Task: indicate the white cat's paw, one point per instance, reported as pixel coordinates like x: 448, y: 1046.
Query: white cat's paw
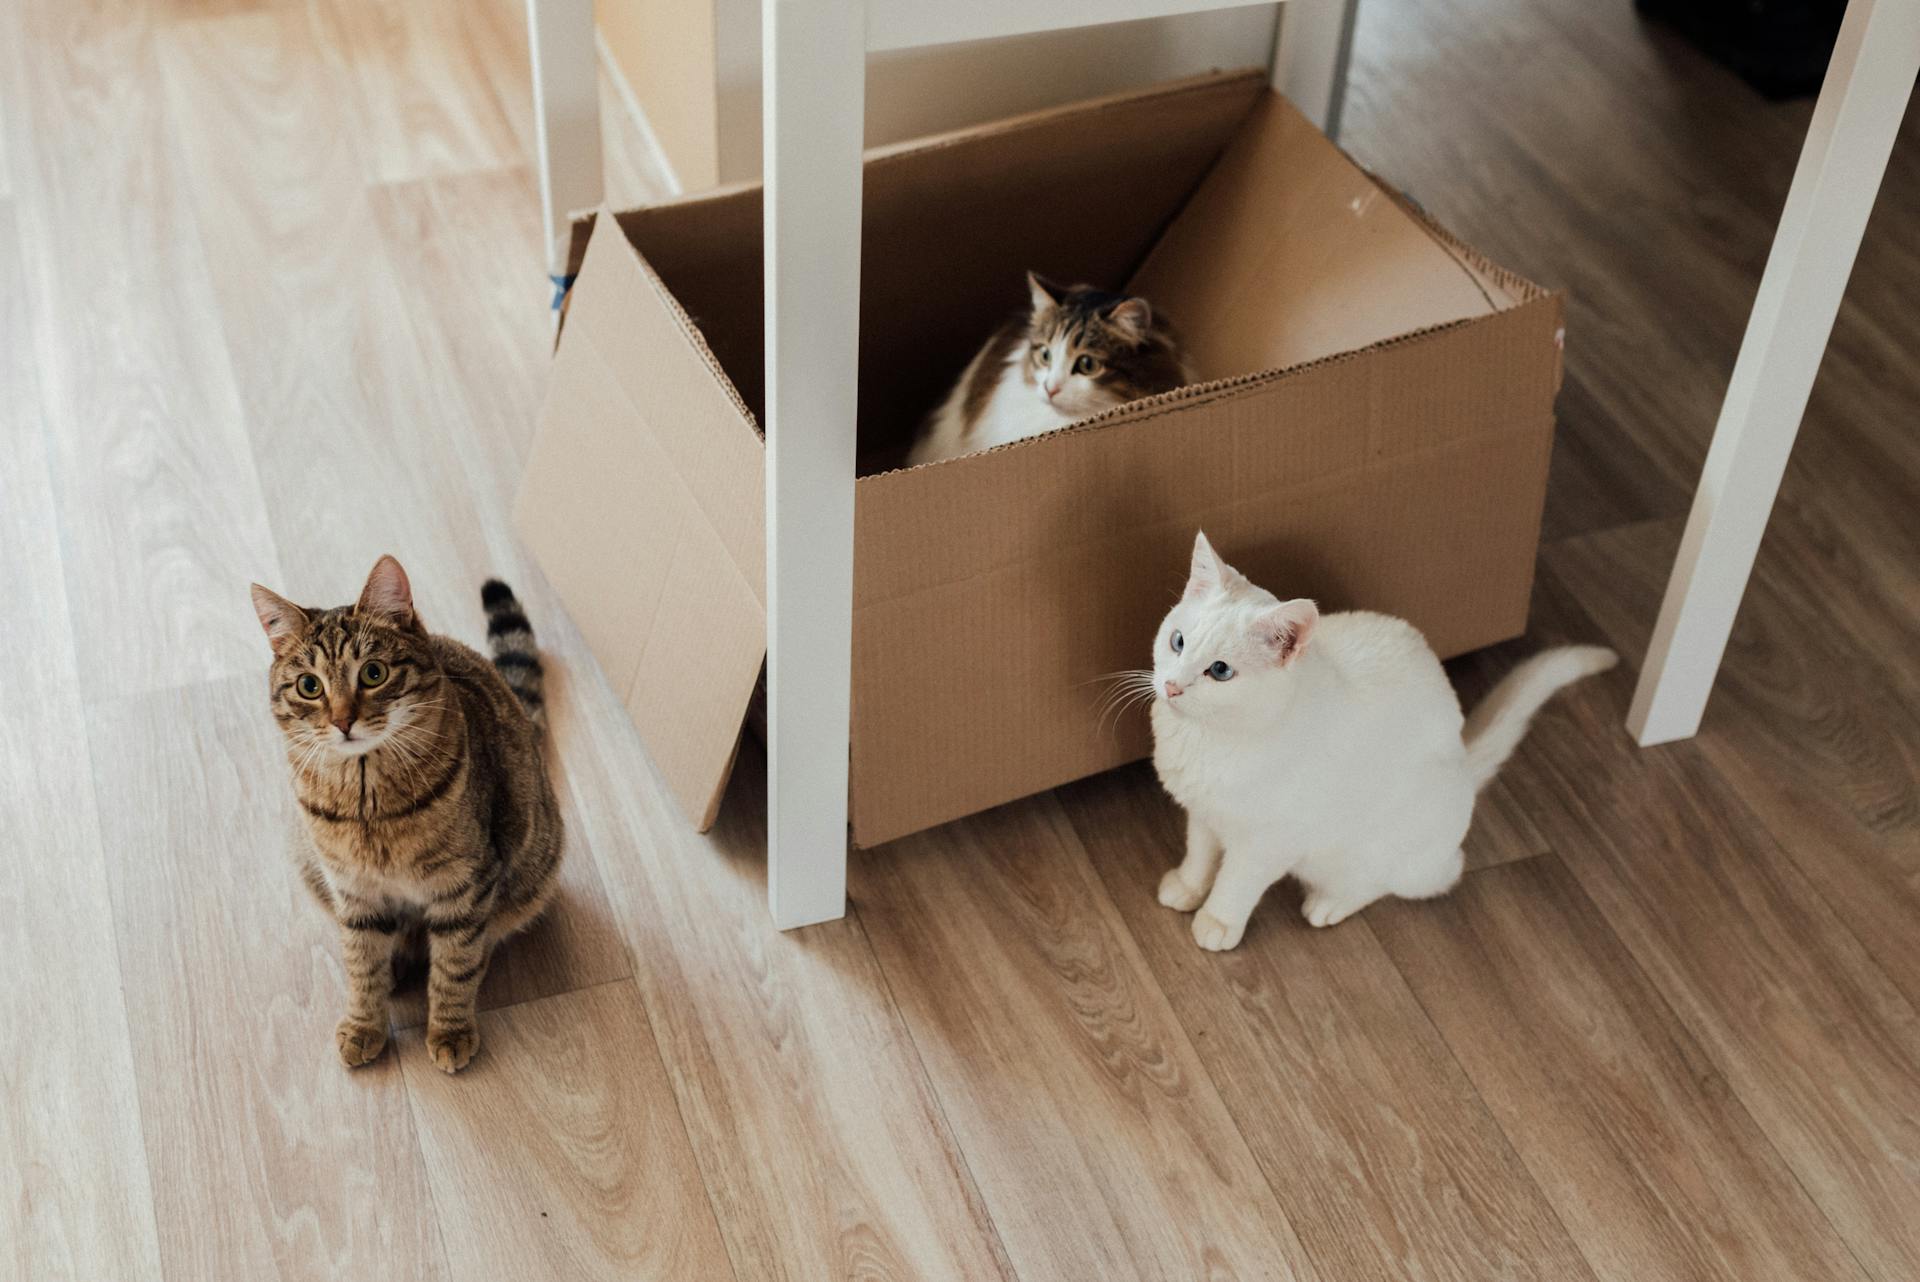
x: 1176, y: 894
x: 1214, y: 935
x: 1325, y: 910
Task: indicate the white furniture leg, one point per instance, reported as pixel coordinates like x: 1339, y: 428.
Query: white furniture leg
x: 566, y: 119
x: 1854, y: 125
x: 1310, y: 58
x: 814, y: 55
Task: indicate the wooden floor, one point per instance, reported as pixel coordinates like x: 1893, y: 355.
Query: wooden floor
x: 270, y: 305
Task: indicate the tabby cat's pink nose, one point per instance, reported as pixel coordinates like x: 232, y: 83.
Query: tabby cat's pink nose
x: 342, y: 724
x: 1173, y: 689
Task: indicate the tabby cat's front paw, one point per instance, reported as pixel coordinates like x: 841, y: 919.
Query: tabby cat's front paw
x: 1176, y: 894
x: 452, y: 1045
x: 359, y: 1043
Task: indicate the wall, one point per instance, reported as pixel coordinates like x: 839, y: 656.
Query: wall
x: 666, y: 51
x: 920, y: 91
x: 695, y: 67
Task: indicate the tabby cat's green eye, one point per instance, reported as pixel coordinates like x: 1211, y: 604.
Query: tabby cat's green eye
x: 308, y: 686
x: 1042, y: 355
x: 372, y: 673
x: 1085, y: 365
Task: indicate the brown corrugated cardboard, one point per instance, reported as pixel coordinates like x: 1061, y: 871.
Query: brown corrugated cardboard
x: 642, y: 497
x: 1346, y: 257
x: 1376, y: 433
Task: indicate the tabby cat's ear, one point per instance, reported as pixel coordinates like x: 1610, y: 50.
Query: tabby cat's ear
x: 1046, y: 294
x: 284, y: 622
x: 388, y: 593
x: 1132, y: 317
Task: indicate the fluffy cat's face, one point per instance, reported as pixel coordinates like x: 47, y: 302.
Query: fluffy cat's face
x: 1088, y: 350
x: 351, y: 679
x: 1224, y: 653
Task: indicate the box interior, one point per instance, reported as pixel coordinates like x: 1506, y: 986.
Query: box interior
x: 1217, y: 201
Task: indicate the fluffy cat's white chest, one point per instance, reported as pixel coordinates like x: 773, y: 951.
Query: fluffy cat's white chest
x: 1233, y: 785
x: 1016, y: 411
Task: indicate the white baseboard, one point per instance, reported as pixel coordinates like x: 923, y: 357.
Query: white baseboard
x: 624, y: 91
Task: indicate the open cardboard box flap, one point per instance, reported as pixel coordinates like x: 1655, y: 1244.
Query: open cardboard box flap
x: 1278, y: 259
x: 681, y: 629
x: 1290, y: 253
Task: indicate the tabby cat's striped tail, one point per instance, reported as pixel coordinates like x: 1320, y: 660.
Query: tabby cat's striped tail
x: 510, y: 637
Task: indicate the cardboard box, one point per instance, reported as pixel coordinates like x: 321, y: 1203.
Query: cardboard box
x: 1374, y: 431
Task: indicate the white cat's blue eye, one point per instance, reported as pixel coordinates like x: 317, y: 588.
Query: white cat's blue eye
x: 1177, y: 641
x: 1219, y: 670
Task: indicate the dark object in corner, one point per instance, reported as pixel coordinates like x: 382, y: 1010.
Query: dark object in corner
x: 1780, y: 47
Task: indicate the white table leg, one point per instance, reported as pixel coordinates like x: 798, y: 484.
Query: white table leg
x: 814, y: 55
x: 1310, y: 58
x: 566, y: 118
x: 1853, y: 130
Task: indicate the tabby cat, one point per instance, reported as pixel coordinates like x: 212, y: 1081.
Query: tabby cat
x: 1074, y: 352
x: 430, y: 824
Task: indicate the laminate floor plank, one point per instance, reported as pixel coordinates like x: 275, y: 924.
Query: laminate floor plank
x: 12, y: 39
x: 269, y: 1158
x: 1871, y: 583
x: 1830, y: 767
x: 452, y: 243
x: 1816, y: 1042
x: 1598, y: 478
x: 1038, y: 1017
x: 1374, y: 1141
x: 1646, y: 1155
x: 559, y: 1154
x: 161, y: 515
x: 350, y: 437
x: 40, y: 685
x: 75, y: 1203
x: 1610, y: 157
x: 821, y: 1142
x: 421, y: 88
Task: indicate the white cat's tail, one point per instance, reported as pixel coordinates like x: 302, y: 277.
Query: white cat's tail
x: 1496, y: 727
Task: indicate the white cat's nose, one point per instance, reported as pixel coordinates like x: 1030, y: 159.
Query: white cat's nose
x: 1053, y: 389
x: 1173, y: 688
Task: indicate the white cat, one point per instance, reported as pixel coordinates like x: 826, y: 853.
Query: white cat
x: 1329, y: 747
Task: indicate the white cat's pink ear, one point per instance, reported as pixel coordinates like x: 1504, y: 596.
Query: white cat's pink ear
x: 387, y: 592
x: 1133, y: 317
x: 1287, y: 629
x: 1208, y: 573
x: 1046, y: 294
x: 284, y: 622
